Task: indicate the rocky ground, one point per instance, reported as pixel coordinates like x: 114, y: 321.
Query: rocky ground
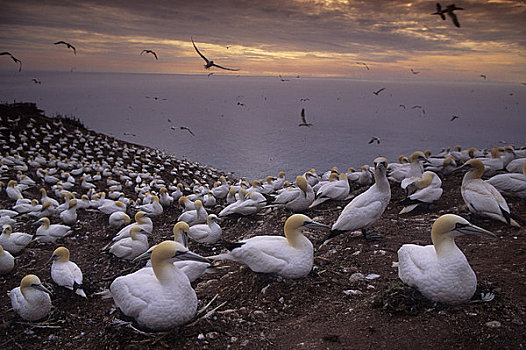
x: 339, y: 305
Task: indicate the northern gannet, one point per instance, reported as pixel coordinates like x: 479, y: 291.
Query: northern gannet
x: 416, y: 169
x: 206, y: 233
x: 31, y: 300
x: 7, y: 261
x: 154, y: 208
x: 425, y: 190
x: 335, y: 190
x: 66, y: 273
x: 481, y: 197
x: 130, y: 247
x: 366, y: 208
x: 210, y: 63
x: 250, y: 204
x: 118, y: 219
x: 512, y: 183
x: 50, y: 233
x: 12, y: 191
x: 159, y: 297
x: 298, y: 198
x: 45, y: 198
x: 140, y: 220
x: 14, y: 242
x: 69, y: 216
x: 68, y: 45
x: 194, y: 217
x: 109, y: 207
x: 290, y: 256
x: 440, y: 271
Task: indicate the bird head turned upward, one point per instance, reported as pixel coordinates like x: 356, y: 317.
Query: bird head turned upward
x: 448, y: 226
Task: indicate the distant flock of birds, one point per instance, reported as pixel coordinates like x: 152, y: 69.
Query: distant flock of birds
x: 84, y: 171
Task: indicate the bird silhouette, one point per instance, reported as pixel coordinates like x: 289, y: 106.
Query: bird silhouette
x: 69, y: 46
x: 363, y: 64
x: 303, y: 120
x: 150, y: 51
x: 16, y: 60
x: 210, y: 63
x: 451, y: 14
x: 377, y: 92
x: 439, y: 12
x: 374, y: 139
x: 281, y: 78
x: 187, y: 129
x: 454, y: 117
x: 484, y: 76
x: 413, y: 71
x: 36, y: 81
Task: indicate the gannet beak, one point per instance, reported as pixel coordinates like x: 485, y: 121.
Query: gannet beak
x: 316, y: 225
x: 188, y: 255
x: 53, y: 257
x: 144, y: 256
x: 469, y: 229
x: 42, y: 288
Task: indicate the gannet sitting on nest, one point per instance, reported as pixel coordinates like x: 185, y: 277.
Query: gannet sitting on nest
x: 253, y: 202
x: 66, y: 273
x: 298, y: 198
x: 513, y: 183
x: 366, y: 208
x: 119, y: 219
x: 425, y: 190
x: 481, y: 197
x: 206, y: 233
x: 31, y: 300
x: 161, y: 297
x: 335, y: 190
x: 290, y: 256
x: 50, y: 233
x: 416, y: 168
x: 14, y: 242
x: 130, y: 247
x: 7, y: 261
x: 69, y: 216
x: 196, y: 216
x: 440, y: 271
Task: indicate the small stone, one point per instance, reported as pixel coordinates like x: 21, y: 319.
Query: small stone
x: 493, y: 324
x: 281, y: 300
x: 212, y: 335
x: 355, y: 277
x: 201, y: 336
x: 372, y: 276
x: 352, y: 292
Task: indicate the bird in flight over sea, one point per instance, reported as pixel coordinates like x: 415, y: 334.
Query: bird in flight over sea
x: 210, y: 63
x: 14, y: 59
x: 439, y: 12
x: 377, y: 92
x: 187, y: 129
x: 36, y: 81
x: 484, y: 76
x: 303, y: 120
x: 68, y: 45
x: 454, y: 117
x: 363, y: 64
x: 449, y: 11
x: 281, y: 78
x: 413, y: 71
x: 374, y: 139
x: 150, y: 51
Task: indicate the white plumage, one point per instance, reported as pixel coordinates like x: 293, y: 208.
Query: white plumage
x: 425, y: 190
x: 66, y: 273
x: 298, y: 198
x: 513, y: 183
x: 440, y: 271
x: 14, y: 242
x: 50, y: 233
x: 7, y: 261
x: 31, y: 300
x: 206, y: 233
x: 130, y: 247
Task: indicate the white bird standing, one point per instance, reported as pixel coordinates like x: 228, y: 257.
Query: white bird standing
x: 14, y: 242
x: 50, y: 233
x: 31, y: 300
x: 440, y: 271
x: 66, y: 273
x: 366, y: 208
x: 7, y: 261
x: 481, y: 197
x: 160, y: 297
x: 206, y: 233
x: 290, y: 256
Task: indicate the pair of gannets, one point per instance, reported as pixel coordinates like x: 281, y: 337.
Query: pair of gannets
x: 140, y: 220
x: 130, y: 247
x: 14, y: 242
x: 66, y: 273
x: 50, y: 233
x: 196, y: 216
x: 425, y: 190
x: 335, y: 190
x: 160, y: 297
x: 440, y: 271
x: 416, y: 168
x: 31, y: 299
x: 366, y: 208
x: 290, y: 256
x: 154, y: 208
x: 481, y: 197
x: 297, y: 198
x: 251, y: 204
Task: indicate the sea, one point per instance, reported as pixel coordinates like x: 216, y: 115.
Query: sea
x: 250, y: 125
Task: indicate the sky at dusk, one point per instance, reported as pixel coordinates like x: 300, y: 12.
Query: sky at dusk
x: 270, y: 37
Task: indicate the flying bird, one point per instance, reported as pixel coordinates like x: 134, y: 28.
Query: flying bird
x: 402, y: 106
x: 210, y: 74
x: 281, y: 78
x: 377, y: 92
x: 374, y: 139
x: 439, y: 12
x: 449, y: 10
x: 150, y: 51
x: 210, y: 63
x: 36, y: 81
x: 187, y: 129
x: 363, y: 64
x: 484, y: 76
x: 303, y: 120
x: 69, y: 46
x: 414, y: 72
x: 454, y: 117
x: 16, y: 60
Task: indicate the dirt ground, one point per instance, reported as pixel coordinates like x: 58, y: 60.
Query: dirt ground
x: 332, y: 308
